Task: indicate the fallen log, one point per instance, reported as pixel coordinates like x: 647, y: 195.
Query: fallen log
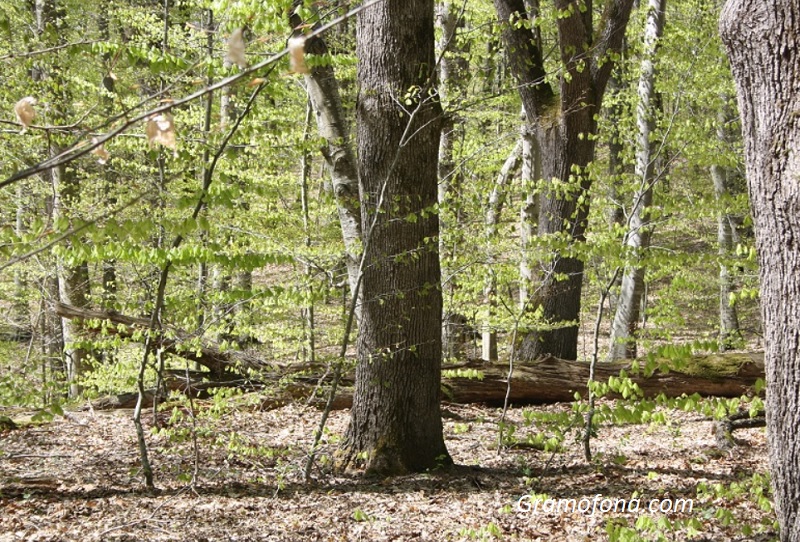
x: 174, y: 341
x: 548, y: 380
x: 553, y: 380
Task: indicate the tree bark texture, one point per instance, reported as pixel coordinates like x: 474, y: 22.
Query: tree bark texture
x: 323, y: 92
x: 637, y: 238
x: 762, y: 38
x: 564, y: 126
x: 529, y: 211
x: 395, y: 417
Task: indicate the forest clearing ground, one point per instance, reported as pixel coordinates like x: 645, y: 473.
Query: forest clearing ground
x: 77, y: 479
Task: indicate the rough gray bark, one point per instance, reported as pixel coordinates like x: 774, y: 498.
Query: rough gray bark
x: 762, y: 38
x: 395, y: 418
x: 564, y: 127
x: 637, y: 238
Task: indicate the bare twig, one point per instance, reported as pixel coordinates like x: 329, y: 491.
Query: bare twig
x: 587, y: 433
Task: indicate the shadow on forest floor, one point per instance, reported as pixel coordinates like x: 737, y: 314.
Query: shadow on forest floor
x: 78, y: 479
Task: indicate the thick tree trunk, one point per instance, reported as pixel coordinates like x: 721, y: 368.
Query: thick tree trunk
x: 564, y: 127
x: 395, y: 417
x: 637, y: 238
x: 762, y: 38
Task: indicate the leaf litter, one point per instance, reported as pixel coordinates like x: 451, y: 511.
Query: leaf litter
x: 77, y: 478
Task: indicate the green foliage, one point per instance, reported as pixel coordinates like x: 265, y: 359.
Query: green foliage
x: 705, y: 513
x: 24, y: 382
x: 490, y: 531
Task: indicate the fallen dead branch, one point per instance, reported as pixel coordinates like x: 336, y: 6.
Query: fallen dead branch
x: 549, y: 380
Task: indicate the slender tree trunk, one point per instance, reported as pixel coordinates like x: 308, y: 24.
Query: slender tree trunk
x: 109, y: 280
x: 529, y: 213
x: 637, y: 238
x: 309, y: 348
x: 729, y: 333
x: 395, y: 417
x: 762, y: 38
x: 617, y: 168
x: 73, y: 280
x: 51, y: 332
x: 323, y: 92
x: 202, y: 268
x: 453, y: 65
x: 728, y: 319
x: 20, y: 312
x: 494, y: 209
x: 222, y: 280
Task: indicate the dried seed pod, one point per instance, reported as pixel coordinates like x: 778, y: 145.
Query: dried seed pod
x: 101, y: 153
x: 25, y: 112
x: 297, y: 55
x: 235, y: 54
x: 160, y: 129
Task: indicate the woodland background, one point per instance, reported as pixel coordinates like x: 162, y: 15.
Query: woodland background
x: 261, y: 269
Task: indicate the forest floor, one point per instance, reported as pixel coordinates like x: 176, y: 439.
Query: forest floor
x: 78, y: 478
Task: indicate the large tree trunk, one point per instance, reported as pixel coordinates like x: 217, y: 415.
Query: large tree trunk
x: 637, y: 238
x: 395, y: 417
x: 564, y: 127
x: 762, y: 38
